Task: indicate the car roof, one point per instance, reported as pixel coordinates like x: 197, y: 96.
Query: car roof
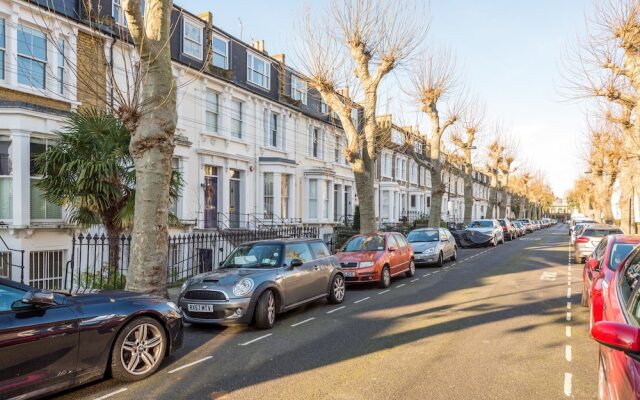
x: 602, y: 226
x: 625, y: 238
x: 9, y: 282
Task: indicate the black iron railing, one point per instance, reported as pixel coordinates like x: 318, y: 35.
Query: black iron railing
x: 11, y: 259
x: 100, y: 262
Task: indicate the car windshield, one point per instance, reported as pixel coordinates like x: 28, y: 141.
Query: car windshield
x: 423, y: 236
x: 480, y: 224
x: 502, y: 222
x: 618, y: 252
x: 365, y: 243
x: 601, y: 232
x: 254, y: 256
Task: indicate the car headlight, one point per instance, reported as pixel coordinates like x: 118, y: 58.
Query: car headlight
x: 185, y: 285
x: 366, y: 264
x: 430, y: 250
x: 173, y: 306
x: 243, y: 287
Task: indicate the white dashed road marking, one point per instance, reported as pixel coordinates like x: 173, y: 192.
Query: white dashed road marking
x: 567, y: 353
x: 384, y: 291
x: 425, y: 275
x: 399, y: 286
x: 303, y: 322
x: 336, y: 309
x: 568, y: 316
x: 255, y: 340
x: 361, y: 300
x: 417, y: 279
x: 106, y: 396
x: 567, y: 384
x: 568, y: 305
x: 568, y: 293
x: 190, y: 364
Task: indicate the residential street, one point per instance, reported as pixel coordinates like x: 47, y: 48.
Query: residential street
x: 496, y: 324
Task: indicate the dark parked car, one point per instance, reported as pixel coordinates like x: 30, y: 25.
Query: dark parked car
x: 261, y: 279
x: 53, y: 341
x: 510, y: 232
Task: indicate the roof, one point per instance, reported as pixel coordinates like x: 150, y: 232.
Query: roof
x: 602, y: 226
x: 625, y: 238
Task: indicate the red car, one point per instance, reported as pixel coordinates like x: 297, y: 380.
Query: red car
x: 376, y: 257
x: 600, y: 267
x: 619, y: 333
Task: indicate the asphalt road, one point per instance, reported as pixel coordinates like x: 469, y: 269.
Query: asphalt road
x: 500, y: 323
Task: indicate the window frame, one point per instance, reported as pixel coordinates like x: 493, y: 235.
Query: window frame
x: 268, y: 214
x: 61, y: 60
x: 299, y: 89
x: 194, y: 24
x: 32, y: 58
x: 226, y: 41
x: 47, y: 143
x: 265, y: 74
x: 238, y: 120
x: 3, y: 47
x: 208, y: 109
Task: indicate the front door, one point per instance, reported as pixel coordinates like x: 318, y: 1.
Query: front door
x: 234, y: 201
x: 38, y: 345
x: 210, y: 202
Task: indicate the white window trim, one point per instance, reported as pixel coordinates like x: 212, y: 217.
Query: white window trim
x: 298, y: 86
x: 222, y: 38
x: 3, y: 49
x: 34, y: 32
x: 186, y: 20
x: 207, y: 109
x: 250, y: 56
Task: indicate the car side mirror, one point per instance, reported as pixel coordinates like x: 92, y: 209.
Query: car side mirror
x: 593, y: 264
x: 296, y: 262
x: 39, y: 298
x: 616, y: 335
x: 392, y: 248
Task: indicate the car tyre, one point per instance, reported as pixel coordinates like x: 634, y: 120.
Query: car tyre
x: 454, y: 256
x: 336, y: 293
x: 440, y: 260
x: 494, y: 242
x: 138, y: 350
x: 412, y: 269
x: 385, y: 277
x: 265, y: 314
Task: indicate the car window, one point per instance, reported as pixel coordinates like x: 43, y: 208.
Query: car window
x: 365, y: 243
x: 618, y: 253
x: 481, y: 224
x: 8, y: 295
x: 598, y: 253
x: 256, y: 255
x: 630, y: 276
x: 391, y: 242
x: 402, y: 242
x: 297, y: 250
x: 431, y: 235
x: 601, y: 232
x: 319, y: 249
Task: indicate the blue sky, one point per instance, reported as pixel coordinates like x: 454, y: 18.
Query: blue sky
x: 510, y: 52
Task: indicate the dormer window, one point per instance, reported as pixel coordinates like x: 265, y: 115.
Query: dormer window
x: 192, y: 38
x: 258, y: 71
x: 298, y: 89
x: 220, y: 57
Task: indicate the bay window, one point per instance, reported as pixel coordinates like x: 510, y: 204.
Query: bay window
x: 6, y: 183
x: 268, y: 195
x: 313, y: 198
x: 284, y: 196
x: 40, y: 208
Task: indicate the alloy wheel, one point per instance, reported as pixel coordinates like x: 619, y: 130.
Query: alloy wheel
x: 386, y: 276
x: 271, y: 308
x: 338, y: 287
x: 142, y: 349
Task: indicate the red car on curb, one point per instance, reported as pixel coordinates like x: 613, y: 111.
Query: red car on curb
x: 600, y: 268
x: 619, y: 333
x: 376, y: 257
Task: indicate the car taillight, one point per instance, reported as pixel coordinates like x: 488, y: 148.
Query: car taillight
x: 504, y: 228
x: 582, y: 239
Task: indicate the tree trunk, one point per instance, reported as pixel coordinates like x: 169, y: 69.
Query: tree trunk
x: 468, y: 196
x: 626, y: 197
x: 113, y: 234
x: 364, y: 178
x: 437, y: 191
x: 151, y: 147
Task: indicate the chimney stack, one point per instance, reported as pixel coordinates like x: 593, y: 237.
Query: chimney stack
x: 280, y: 57
x: 206, y: 16
x: 259, y: 45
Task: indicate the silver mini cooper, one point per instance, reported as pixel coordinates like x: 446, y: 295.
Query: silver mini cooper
x: 261, y: 279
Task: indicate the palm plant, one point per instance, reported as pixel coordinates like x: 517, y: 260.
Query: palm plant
x: 89, y: 171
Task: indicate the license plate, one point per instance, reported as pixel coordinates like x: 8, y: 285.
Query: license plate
x: 350, y: 274
x: 200, y: 307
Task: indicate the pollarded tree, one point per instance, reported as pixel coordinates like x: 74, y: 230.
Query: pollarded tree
x: 432, y: 83
x: 361, y: 42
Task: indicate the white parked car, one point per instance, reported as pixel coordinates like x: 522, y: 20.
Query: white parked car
x: 489, y: 227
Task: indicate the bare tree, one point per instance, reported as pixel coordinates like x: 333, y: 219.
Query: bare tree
x: 472, y: 123
x: 359, y: 41
x: 432, y: 81
x: 152, y: 143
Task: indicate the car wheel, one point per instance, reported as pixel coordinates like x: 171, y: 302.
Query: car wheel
x: 455, y: 254
x: 584, y: 299
x: 440, y: 260
x: 494, y: 242
x: 336, y: 295
x: 265, y: 314
x: 385, y: 277
x: 502, y: 241
x: 139, y: 350
x: 412, y: 269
